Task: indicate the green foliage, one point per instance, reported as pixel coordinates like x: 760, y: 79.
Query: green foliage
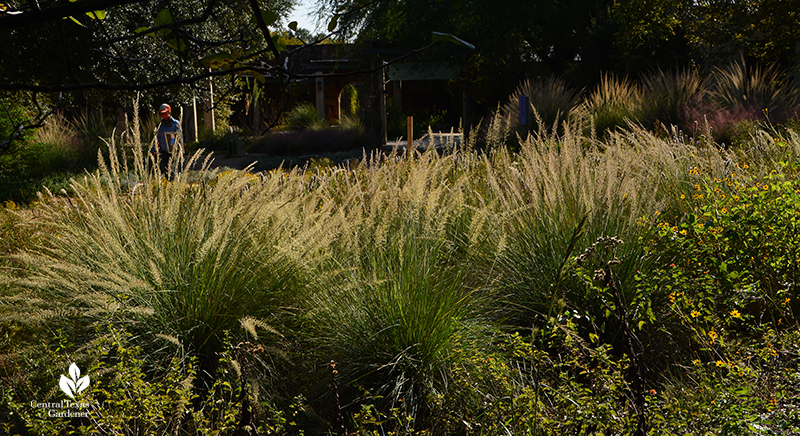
x: 666, y: 96
x: 551, y: 382
x: 756, y: 88
x: 642, y: 26
x: 738, y: 251
x: 126, y: 396
x: 578, y: 286
x: 56, y: 151
x: 614, y: 103
x: 304, y: 117
x: 10, y: 118
x: 401, y: 297
x: 177, y: 261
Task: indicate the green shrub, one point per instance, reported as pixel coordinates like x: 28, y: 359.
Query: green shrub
x: 551, y: 382
x: 737, y: 253
x: 303, y: 117
x: 10, y: 119
x: 125, y: 397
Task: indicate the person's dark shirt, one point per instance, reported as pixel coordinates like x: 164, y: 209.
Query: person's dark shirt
x: 168, y: 126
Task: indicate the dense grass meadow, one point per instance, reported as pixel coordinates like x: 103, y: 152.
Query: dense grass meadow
x: 544, y: 279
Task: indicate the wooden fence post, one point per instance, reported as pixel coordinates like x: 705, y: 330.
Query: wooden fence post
x: 410, y: 130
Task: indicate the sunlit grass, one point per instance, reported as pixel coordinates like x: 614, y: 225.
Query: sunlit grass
x: 403, y: 269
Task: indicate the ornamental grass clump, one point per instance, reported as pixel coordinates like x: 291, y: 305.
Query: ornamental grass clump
x: 402, y: 296
x: 562, y: 192
x: 184, y: 259
x: 758, y: 89
x: 548, y: 101
x: 614, y: 103
x: 738, y: 97
x: 667, y: 94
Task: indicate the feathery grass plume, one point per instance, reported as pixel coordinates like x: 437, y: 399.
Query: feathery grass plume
x: 757, y: 88
x: 549, y: 100
x: 740, y: 96
x: 59, y: 134
x: 135, y: 135
x: 666, y: 94
x: 498, y: 133
x: 614, y: 103
x: 402, y: 296
x: 767, y: 151
x: 202, y: 251
x: 562, y: 192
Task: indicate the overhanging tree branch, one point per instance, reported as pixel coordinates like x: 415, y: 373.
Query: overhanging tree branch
x: 175, y: 25
x: 263, y: 27
x: 34, y: 16
x: 123, y: 87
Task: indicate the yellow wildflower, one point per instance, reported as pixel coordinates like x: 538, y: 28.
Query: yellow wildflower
x: 735, y: 313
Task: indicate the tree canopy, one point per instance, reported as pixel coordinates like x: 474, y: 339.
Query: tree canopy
x: 579, y: 39
x: 63, y: 49
x: 133, y: 44
x: 51, y: 47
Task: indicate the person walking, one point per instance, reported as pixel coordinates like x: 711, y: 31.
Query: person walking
x: 169, y: 137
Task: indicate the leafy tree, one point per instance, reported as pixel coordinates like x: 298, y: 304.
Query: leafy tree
x: 101, y: 49
x: 705, y: 32
x: 764, y: 29
x: 119, y: 46
x: 650, y: 32
x: 510, y: 37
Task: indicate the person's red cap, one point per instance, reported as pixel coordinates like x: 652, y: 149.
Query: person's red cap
x: 164, y: 108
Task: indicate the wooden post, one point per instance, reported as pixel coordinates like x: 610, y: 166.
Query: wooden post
x: 375, y: 105
x: 208, y: 119
x: 410, y: 129
x: 397, y: 92
x: 320, y: 87
x: 194, y: 119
